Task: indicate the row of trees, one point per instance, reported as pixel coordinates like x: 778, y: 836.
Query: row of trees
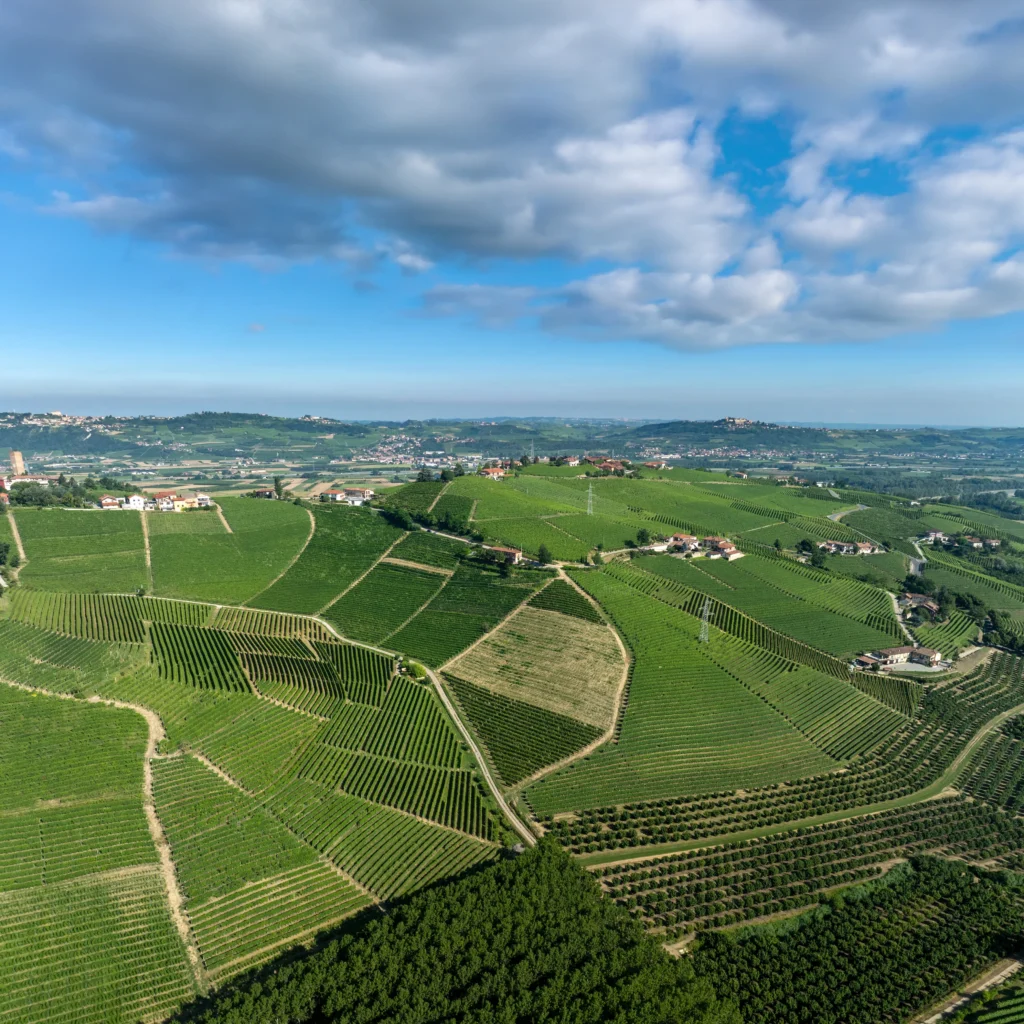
x: 68, y: 492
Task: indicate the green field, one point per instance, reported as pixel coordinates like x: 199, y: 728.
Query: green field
x: 80, y: 892
x: 83, y: 551
x: 229, y: 568
x: 346, y: 542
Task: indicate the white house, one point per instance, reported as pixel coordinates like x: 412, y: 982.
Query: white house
x: 357, y: 495
x: 136, y: 502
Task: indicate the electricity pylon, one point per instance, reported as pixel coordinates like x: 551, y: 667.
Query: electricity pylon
x: 704, y: 621
x: 590, y: 500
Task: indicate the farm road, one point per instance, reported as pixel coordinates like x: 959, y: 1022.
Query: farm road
x: 836, y: 516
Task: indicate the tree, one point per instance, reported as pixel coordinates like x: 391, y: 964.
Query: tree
x: 279, y: 486
x: 543, y: 555
x: 424, y: 476
x: 447, y: 475
x: 460, y: 470
x: 778, y: 544
x: 643, y: 536
x: 806, y: 546
x: 598, y: 558
x: 818, y: 558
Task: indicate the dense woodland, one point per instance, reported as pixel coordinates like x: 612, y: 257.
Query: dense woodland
x: 527, y: 939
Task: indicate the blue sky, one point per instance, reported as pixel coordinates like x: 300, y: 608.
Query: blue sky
x: 687, y: 208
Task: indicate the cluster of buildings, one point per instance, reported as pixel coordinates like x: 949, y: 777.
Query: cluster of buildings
x: 938, y: 537
x: 706, y: 547
x: 162, y: 501
x: 888, y: 658
x: 845, y: 547
x: 347, y: 496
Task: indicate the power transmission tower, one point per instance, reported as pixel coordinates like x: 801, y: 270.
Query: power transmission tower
x: 590, y: 500
x: 532, y: 456
x: 704, y: 621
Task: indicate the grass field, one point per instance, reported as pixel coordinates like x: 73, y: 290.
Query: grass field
x: 570, y: 667
x: 228, y: 568
x: 83, y: 551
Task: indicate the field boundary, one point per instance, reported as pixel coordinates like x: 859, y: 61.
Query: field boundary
x: 430, y: 507
x: 417, y: 565
x: 17, y: 540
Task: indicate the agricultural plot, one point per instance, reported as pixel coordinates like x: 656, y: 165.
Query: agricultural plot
x: 949, y: 637
x: 388, y: 596
x: 346, y: 542
x: 947, y: 571
x: 415, y: 498
x: 571, y: 668
x: 559, y: 596
x: 453, y: 509
x: 365, y: 673
x: 196, y: 656
x: 82, y: 551
x: 529, y: 533
x: 501, y: 500
x: 250, y: 884
x: 270, y: 624
x: 107, y: 938
x: 228, y: 568
x: 89, y: 616
x: 473, y: 601
x: 36, y: 657
x: 689, y: 726
x: 81, y: 896
x: 389, y: 852
x: 429, y: 549
x: 839, y: 617
x: 520, y: 738
x: 191, y: 522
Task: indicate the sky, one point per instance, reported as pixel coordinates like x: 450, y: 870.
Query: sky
x: 780, y: 209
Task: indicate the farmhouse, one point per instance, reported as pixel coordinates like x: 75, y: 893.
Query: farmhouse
x: 837, y: 547
x: 891, y: 657
x: 135, y: 503
x: 513, y: 555
x: 203, y: 501
x: 572, y: 460
x: 108, y: 501
x: 730, y: 554
x: 357, y: 495
x: 991, y: 542
x: 656, y: 465
x: 493, y: 473
x: 866, y: 547
x: 687, y: 541
x: 164, y: 496
x: 264, y: 492
x: 335, y: 496
x: 933, y: 535
x: 974, y: 542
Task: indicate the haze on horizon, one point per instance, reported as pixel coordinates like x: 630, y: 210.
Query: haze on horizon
x: 672, y: 208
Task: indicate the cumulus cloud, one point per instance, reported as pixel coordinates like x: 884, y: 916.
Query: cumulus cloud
x: 587, y: 133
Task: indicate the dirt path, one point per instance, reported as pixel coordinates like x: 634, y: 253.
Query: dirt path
x: 836, y: 516
x: 149, y: 554
x: 899, y: 622
x: 430, y: 507
x: 203, y: 759
x: 995, y: 975
x: 17, y: 542
x: 942, y: 786
x: 155, y: 729
x: 359, y: 579
x: 418, y: 565
x: 617, y: 708
x: 528, y: 837
x: 293, y: 560
x: 223, y: 519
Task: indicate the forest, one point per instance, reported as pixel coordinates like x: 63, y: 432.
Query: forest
x: 526, y: 939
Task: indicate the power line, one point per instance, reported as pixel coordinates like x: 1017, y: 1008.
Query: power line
x: 590, y: 499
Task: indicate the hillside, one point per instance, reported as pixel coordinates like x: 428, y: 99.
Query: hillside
x: 320, y: 709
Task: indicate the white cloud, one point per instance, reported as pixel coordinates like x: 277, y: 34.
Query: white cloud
x: 582, y: 131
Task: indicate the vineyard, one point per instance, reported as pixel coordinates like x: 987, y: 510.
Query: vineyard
x: 521, y: 738
x: 559, y: 596
x: 429, y: 549
x: 383, y: 601
x: 345, y: 543
x: 949, y: 637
